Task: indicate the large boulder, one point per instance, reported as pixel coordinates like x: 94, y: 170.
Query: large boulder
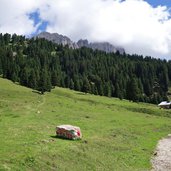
x: 68, y: 132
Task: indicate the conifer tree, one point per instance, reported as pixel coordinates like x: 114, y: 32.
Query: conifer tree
x: 133, y: 90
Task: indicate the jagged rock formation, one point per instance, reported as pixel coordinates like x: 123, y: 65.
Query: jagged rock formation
x: 58, y: 38
x: 103, y: 46
x: 83, y: 43
x: 64, y: 40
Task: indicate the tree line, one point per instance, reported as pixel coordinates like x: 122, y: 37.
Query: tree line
x: 41, y: 65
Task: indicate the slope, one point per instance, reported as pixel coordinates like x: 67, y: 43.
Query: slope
x: 117, y: 135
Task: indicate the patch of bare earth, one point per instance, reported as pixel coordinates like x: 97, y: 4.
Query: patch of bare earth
x: 162, y: 157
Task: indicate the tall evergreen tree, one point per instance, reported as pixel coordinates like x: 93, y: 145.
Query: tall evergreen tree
x: 133, y: 91
x: 44, y: 83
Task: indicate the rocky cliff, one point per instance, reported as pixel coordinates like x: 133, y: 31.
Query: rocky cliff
x: 64, y: 40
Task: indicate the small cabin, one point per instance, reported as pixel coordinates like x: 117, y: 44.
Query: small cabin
x: 165, y: 105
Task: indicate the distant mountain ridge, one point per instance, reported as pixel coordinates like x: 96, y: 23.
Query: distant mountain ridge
x: 57, y: 38
x: 64, y: 40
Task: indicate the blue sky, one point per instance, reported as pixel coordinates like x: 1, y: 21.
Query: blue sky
x: 35, y: 16
x: 159, y: 2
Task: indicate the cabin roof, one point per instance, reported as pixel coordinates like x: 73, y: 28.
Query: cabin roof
x: 164, y: 103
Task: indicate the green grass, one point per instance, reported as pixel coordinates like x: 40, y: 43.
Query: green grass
x: 117, y: 135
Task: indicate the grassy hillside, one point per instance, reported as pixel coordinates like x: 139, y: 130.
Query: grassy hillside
x: 117, y: 135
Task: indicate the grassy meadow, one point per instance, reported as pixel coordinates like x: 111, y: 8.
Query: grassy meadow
x: 118, y: 135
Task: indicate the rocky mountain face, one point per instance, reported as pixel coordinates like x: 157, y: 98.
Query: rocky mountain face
x: 103, y: 46
x: 64, y: 40
x: 59, y: 39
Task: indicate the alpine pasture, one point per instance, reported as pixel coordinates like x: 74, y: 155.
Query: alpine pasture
x: 118, y: 135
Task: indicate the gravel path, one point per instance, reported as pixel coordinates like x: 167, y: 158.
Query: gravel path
x: 162, y: 157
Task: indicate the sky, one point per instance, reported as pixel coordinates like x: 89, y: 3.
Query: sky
x: 155, y: 3
x: 139, y: 26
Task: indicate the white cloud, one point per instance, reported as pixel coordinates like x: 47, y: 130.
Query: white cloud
x: 14, y: 16
x: 132, y: 24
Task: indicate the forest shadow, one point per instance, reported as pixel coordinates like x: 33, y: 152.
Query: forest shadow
x: 37, y: 92
x: 80, y: 93
x: 61, y: 138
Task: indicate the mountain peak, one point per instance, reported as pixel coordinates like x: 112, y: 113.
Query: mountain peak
x: 64, y: 40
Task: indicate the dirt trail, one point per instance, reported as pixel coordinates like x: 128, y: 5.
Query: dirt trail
x: 43, y: 102
x: 31, y: 108
x: 162, y: 157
